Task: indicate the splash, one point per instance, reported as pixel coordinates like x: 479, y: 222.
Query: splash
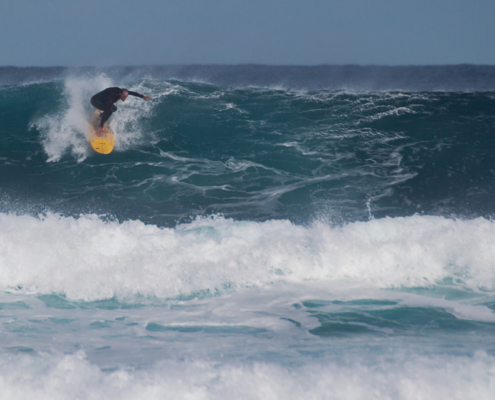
x: 66, y: 131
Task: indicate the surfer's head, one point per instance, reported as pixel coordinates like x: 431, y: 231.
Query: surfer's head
x: 123, y: 94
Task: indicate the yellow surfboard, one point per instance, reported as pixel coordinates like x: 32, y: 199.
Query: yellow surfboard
x: 101, y: 144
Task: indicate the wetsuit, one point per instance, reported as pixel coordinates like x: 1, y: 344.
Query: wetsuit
x: 105, y: 100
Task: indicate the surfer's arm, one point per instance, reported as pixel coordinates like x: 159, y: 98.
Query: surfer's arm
x: 139, y: 95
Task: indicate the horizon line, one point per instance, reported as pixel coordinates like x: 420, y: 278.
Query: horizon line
x: 253, y: 65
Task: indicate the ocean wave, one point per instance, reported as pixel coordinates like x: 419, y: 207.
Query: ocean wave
x: 200, y: 149
x: 88, y: 258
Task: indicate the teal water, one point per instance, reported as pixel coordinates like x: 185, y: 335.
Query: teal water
x: 256, y: 233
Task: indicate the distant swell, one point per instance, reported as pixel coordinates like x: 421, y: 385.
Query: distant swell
x: 328, y: 77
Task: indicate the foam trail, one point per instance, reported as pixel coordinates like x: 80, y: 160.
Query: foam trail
x: 72, y: 376
x: 88, y: 259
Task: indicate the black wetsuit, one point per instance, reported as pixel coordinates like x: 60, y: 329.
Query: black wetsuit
x: 105, y: 100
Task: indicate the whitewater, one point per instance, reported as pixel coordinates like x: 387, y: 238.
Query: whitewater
x: 258, y: 233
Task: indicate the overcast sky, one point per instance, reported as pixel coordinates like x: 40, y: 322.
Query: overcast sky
x: 288, y: 32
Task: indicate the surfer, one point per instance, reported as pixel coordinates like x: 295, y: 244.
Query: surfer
x: 105, y: 100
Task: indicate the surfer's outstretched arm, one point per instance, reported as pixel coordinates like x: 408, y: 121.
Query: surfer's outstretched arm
x: 139, y: 95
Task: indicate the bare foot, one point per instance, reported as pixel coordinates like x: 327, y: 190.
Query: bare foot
x: 101, y: 131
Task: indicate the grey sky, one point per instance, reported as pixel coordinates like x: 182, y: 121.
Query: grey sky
x: 303, y: 32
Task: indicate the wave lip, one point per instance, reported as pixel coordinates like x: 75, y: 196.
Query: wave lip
x: 89, y: 259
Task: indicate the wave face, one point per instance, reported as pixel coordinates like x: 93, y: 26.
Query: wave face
x: 248, y: 153
x: 258, y: 232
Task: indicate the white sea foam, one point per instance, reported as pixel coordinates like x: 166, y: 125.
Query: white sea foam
x: 72, y: 376
x: 66, y: 131
x: 88, y: 258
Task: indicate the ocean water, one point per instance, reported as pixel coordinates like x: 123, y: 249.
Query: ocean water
x: 257, y: 233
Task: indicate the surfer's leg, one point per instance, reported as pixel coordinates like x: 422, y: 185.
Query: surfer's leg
x: 96, y: 103
x: 107, y: 114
